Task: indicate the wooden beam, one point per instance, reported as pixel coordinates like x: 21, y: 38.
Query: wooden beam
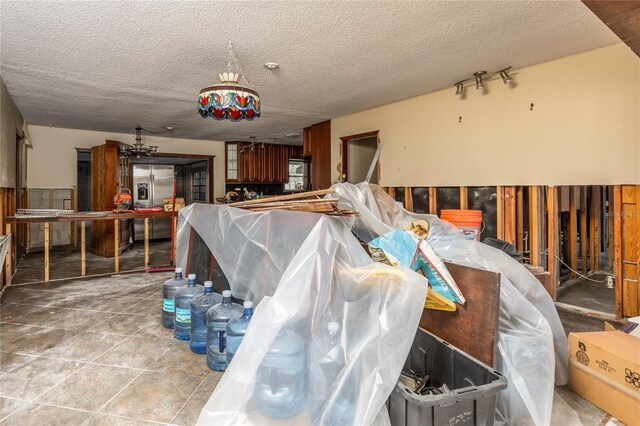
x: 622, y: 17
x: 610, y: 226
x: 583, y: 229
x: 7, y: 261
x: 552, y: 237
x: 510, y: 233
x: 617, y: 250
x: 519, y: 218
x: 573, y: 231
x: 116, y: 244
x: 146, y: 242
x: 500, y: 213
x: 534, y: 226
x: 83, y: 249
x: 432, y: 200
x: 595, y: 228
x: 464, y: 198
x: 46, y: 251
x: 408, y: 201
x: 392, y: 192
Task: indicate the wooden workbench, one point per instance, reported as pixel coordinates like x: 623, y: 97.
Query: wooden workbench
x: 81, y: 217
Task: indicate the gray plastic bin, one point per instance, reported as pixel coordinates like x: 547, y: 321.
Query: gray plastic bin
x: 474, y: 387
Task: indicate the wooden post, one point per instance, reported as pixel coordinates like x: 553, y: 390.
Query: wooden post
x: 7, y: 262
x: 464, y: 198
x: 519, y: 218
x: 510, y: 227
x: 610, y: 226
x: 408, y: 201
x: 174, y: 260
x: 146, y: 242
x: 595, y: 228
x: 534, y: 226
x: 432, y: 200
x: 617, y: 250
x: 500, y: 213
x: 116, y: 244
x: 83, y: 248
x: 583, y: 229
x: 573, y: 231
x: 552, y: 237
x: 46, y: 251
x: 392, y: 192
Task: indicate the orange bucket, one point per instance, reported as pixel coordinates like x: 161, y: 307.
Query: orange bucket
x: 468, y: 221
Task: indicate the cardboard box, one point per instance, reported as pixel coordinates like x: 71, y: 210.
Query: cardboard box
x: 169, y: 207
x: 169, y: 201
x: 603, y: 369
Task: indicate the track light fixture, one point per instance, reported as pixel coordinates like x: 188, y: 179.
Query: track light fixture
x: 481, y: 76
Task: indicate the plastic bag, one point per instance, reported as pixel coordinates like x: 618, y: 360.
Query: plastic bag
x: 307, y: 270
x: 532, y: 344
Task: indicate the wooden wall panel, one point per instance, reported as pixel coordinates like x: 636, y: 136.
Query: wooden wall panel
x: 321, y: 155
x: 583, y: 229
x: 630, y: 249
x: 510, y: 215
x: 553, y: 237
x: 573, y: 231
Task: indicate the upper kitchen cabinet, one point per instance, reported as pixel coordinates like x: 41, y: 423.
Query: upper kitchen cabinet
x: 258, y: 163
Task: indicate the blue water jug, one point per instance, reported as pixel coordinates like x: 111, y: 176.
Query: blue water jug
x: 236, y: 328
x: 200, y: 304
x: 183, y: 296
x: 279, y: 391
x: 217, y: 318
x: 327, y: 359
x: 168, y: 297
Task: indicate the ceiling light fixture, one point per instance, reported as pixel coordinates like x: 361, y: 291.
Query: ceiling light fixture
x: 478, y: 75
x: 506, y: 78
x: 138, y: 149
x: 459, y: 88
x: 230, y: 100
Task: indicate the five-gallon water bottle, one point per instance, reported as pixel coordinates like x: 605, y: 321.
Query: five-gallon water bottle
x: 183, y: 296
x: 280, y: 381
x: 236, y: 328
x: 200, y: 304
x: 168, y: 302
x: 327, y: 359
x: 217, y: 318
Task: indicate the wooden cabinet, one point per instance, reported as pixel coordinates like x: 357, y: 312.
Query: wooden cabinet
x: 258, y: 163
x: 231, y: 162
x: 306, y: 142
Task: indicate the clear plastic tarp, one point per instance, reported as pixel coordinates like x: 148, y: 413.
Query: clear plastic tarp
x: 532, y: 344
x: 305, y: 271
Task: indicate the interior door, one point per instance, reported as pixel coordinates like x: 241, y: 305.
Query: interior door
x: 630, y: 216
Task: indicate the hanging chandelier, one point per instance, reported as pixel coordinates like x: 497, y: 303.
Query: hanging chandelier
x: 138, y: 150
x: 229, y: 99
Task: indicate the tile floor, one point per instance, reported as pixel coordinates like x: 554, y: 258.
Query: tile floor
x: 94, y: 352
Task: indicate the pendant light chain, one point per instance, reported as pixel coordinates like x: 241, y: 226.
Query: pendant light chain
x: 232, y: 57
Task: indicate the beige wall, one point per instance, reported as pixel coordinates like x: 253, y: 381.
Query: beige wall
x: 53, y: 162
x: 584, y: 128
x: 10, y: 125
x: 361, y: 152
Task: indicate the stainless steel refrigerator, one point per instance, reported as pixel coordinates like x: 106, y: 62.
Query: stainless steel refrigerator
x: 152, y: 183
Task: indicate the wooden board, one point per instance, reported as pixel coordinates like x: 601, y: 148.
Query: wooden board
x: 473, y: 328
x: 630, y: 215
x: 622, y: 17
x: 573, y: 231
x: 553, y: 237
x: 583, y: 229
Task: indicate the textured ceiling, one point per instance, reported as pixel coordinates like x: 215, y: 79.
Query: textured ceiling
x: 110, y: 65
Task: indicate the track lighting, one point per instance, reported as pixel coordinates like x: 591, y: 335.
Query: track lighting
x: 478, y: 75
x: 481, y: 76
x: 506, y: 78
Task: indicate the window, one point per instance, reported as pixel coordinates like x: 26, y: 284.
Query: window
x: 232, y: 161
x: 199, y: 185
x: 298, y: 176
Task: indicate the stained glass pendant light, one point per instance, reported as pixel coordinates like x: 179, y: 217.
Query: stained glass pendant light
x: 230, y: 100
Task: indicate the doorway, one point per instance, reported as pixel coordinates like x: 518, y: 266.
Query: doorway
x: 358, y: 152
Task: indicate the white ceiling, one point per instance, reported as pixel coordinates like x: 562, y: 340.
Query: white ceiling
x: 111, y: 65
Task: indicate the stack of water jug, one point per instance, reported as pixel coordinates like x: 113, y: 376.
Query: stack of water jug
x: 211, y: 323
x: 214, y: 325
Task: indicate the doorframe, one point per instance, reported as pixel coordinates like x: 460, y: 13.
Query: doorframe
x: 345, y: 152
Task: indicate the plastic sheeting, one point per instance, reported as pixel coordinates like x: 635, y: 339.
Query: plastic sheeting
x: 306, y: 270
x: 532, y: 344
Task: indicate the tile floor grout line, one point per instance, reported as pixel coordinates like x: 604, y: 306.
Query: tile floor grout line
x: 119, y: 392
x: 188, y: 399
x: 65, y: 378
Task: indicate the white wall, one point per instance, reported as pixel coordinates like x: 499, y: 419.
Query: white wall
x: 584, y: 128
x: 53, y: 162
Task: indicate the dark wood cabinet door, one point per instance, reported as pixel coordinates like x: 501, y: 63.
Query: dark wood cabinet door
x: 306, y: 142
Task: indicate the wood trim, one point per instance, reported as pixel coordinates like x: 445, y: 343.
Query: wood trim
x: 408, y: 199
x: 464, y: 198
x: 432, y: 200
x: 344, y: 150
x: 573, y: 231
x: 617, y: 250
x: 510, y: 227
x: 583, y: 229
x: 552, y: 237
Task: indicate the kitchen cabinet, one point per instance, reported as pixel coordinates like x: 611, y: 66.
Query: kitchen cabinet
x: 306, y: 142
x: 258, y: 163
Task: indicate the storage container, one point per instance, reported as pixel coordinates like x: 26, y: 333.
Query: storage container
x: 473, y: 386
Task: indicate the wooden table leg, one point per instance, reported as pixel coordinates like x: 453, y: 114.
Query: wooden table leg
x: 7, y: 262
x: 116, y: 243
x: 46, y: 251
x: 83, y: 248
x: 146, y: 242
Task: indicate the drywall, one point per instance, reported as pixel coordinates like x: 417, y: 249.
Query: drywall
x: 53, y: 162
x: 361, y: 152
x: 583, y: 128
x: 11, y: 125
